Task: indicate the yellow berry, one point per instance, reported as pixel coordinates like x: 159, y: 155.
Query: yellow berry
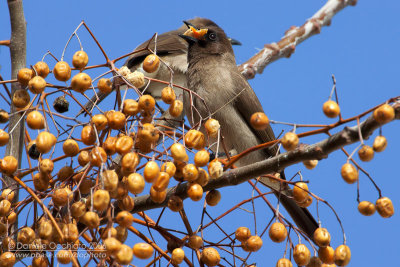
x: 80, y: 59
x: 331, y: 109
x: 366, y: 208
x: 210, y: 256
x: 349, y: 173
x: 290, y: 141
x: 322, y: 237
x: 277, y: 232
x: 380, y: 143
x: 342, y: 255
x: 366, y: 153
x: 384, y: 206
x: 62, y: 71
x: 259, y: 121
x: 151, y: 63
x: 384, y: 114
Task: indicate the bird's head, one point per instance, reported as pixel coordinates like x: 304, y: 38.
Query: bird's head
x: 207, y: 38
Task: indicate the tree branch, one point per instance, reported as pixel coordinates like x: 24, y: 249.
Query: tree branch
x: 294, y: 36
x: 18, y: 61
x: 319, y: 151
x: 5, y: 42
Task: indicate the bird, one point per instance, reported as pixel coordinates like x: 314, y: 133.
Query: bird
x: 213, y: 75
x: 172, y: 50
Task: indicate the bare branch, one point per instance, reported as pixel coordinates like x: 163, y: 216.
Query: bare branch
x: 293, y: 36
x: 18, y: 61
x: 5, y: 42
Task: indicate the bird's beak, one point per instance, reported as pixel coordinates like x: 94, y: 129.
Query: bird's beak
x: 189, y: 39
x: 193, y: 35
x: 188, y: 24
x: 234, y: 41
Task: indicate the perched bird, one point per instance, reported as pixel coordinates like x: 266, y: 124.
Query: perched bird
x: 172, y: 50
x: 212, y: 73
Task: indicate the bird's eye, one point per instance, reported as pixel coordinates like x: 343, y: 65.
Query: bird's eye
x: 212, y: 36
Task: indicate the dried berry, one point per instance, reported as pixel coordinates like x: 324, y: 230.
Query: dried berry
x: 61, y: 104
x: 213, y: 197
x: 136, y: 78
x: 175, y: 203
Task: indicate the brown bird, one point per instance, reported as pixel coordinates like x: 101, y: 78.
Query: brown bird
x: 212, y: 73
x: 172, y: 50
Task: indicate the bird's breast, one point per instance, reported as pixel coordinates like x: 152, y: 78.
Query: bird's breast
x: 213, y: 85
x: 217, y: 91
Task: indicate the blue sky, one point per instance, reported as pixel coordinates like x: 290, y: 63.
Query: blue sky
x: 360, y: 48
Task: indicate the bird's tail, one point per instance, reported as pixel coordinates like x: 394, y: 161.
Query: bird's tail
x: 301, y: 216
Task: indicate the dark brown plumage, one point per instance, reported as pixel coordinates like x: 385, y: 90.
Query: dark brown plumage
x: 212, y: 73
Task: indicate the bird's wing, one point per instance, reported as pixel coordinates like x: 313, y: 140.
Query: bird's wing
x: 166, y: 43
x: 247, y: 103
